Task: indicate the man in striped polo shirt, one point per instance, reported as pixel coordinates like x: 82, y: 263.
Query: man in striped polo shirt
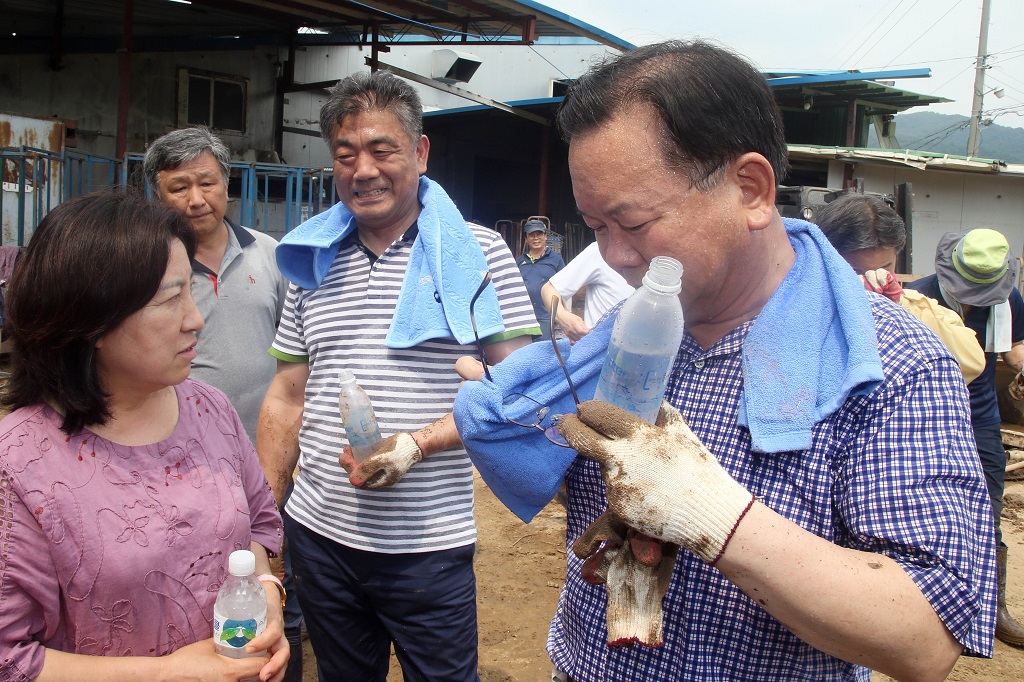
x: 384, y: 556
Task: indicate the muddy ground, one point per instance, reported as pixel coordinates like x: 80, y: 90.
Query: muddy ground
x: 520, y: 570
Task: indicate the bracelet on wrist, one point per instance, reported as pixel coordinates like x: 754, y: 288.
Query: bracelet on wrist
x: 268, y: 578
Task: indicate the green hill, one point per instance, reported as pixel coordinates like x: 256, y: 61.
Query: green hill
x: 948, y: 133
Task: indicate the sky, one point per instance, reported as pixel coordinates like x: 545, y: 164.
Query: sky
x: 866, y: 35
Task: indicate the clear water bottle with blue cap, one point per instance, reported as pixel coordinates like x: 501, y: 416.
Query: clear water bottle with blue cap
x: 644, y: 342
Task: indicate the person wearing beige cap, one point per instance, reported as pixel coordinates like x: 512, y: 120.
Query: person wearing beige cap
x: 974, y: 276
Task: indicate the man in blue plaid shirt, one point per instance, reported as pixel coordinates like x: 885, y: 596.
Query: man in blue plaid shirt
x: 861, y: 539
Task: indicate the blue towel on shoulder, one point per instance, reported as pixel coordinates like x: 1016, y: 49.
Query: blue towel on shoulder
x: 811, y: 347
x: 446, y: 265
x: 519, y: 464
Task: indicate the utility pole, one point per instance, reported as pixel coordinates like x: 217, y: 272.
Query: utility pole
x: 979, y: 82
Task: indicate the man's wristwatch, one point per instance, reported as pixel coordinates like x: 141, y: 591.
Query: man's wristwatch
x: 268, y: 578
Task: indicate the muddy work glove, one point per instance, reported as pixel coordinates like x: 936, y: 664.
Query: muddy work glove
x: 1016, y: 387
x: 660, y: 479
x: 636, y: 570
x: 385, y: 467
x: 883, y: 282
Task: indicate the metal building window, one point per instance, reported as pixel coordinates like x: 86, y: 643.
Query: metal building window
x: 210, y: 99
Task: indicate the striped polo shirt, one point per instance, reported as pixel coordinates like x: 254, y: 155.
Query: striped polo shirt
x: 342, y: 324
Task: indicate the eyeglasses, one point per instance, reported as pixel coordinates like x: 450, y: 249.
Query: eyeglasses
x: 472, y: 321
x: 534, y: 414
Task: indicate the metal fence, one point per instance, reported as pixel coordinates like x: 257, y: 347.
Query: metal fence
x: 272, y: 198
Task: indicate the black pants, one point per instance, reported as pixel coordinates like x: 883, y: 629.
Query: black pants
x: 357, y: 603
x: 993, y: 460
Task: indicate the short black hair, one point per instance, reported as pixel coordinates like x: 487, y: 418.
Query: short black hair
x: 854, y: 222
x: 713, y: 104
x: 92, y: 261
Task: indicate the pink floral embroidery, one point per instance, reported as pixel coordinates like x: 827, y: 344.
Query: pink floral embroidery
x: 134, y: 522
x: 117, y: 619
x: 168, y: 475
x: 92, y: 449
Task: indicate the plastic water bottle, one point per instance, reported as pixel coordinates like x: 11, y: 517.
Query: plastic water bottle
x: 240, y: 612
x: 644, y: 343
x: 357, y: 416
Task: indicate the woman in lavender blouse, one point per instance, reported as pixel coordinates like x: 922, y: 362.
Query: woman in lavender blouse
x: 123, y: 484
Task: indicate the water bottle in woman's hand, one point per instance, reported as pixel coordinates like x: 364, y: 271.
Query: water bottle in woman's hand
x: 240, y: 612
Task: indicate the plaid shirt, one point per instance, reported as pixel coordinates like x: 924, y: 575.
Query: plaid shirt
x: 895, y: 472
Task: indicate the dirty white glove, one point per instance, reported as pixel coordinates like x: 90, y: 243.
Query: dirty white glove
x: 881, y: 281
x: 385, y: 467
x: 1016, y: 387
x: 661, y: 480
x: 636, y: 570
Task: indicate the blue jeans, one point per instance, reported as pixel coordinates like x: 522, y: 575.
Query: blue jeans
x: 357, y: 604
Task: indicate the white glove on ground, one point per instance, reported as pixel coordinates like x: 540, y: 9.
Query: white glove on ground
x: 385, y: 467
x: 661, y: 480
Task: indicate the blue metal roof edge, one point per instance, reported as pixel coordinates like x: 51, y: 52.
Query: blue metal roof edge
x: 576, y: 22
x: 839, y: 76
x: 823, y: 77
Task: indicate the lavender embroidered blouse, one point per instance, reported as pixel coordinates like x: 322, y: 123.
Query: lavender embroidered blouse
x: 113, y: 550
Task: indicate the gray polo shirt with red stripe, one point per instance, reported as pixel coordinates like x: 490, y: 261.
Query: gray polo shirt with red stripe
x: 241, y: 305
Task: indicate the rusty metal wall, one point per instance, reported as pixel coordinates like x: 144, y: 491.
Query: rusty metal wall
x: 32, y: 173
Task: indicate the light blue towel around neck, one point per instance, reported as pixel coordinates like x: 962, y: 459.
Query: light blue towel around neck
x: 812, y: 346
x: 446, y: 265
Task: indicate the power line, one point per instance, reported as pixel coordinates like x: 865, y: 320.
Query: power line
x: 1005, y: 74
x: 925, y: 32
x: 870, y: 22
x: 1005, y: 85
x: 969, y: 67
x: 549, y: 62
x: 925, y: 61
x: 850, y: 58
x: 938, y: 136
x: 891, y: 27
x: 1010, y: 59
x: 1010, y: 50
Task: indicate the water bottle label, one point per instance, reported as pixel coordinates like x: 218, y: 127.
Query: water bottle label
x: 236, y: 634
x: 363, y: 436
x: 634, y: 382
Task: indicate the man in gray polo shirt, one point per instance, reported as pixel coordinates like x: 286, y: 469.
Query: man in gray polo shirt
x: 236, y: 284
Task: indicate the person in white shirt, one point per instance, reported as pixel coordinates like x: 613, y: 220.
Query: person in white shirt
x: 605, y: 288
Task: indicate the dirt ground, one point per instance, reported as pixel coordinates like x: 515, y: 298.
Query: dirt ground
x: 520, y: 569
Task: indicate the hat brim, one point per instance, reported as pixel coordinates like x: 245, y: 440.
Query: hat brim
x: 964, y: 291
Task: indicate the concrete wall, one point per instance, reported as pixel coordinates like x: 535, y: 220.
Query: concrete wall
x: 948, y: 201
x: 86, y: 90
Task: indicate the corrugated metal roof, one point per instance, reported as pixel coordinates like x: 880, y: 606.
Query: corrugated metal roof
x: 792, y: 88
x: 96, y: 25
x: 874, y: 98
x: 906, y: 157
